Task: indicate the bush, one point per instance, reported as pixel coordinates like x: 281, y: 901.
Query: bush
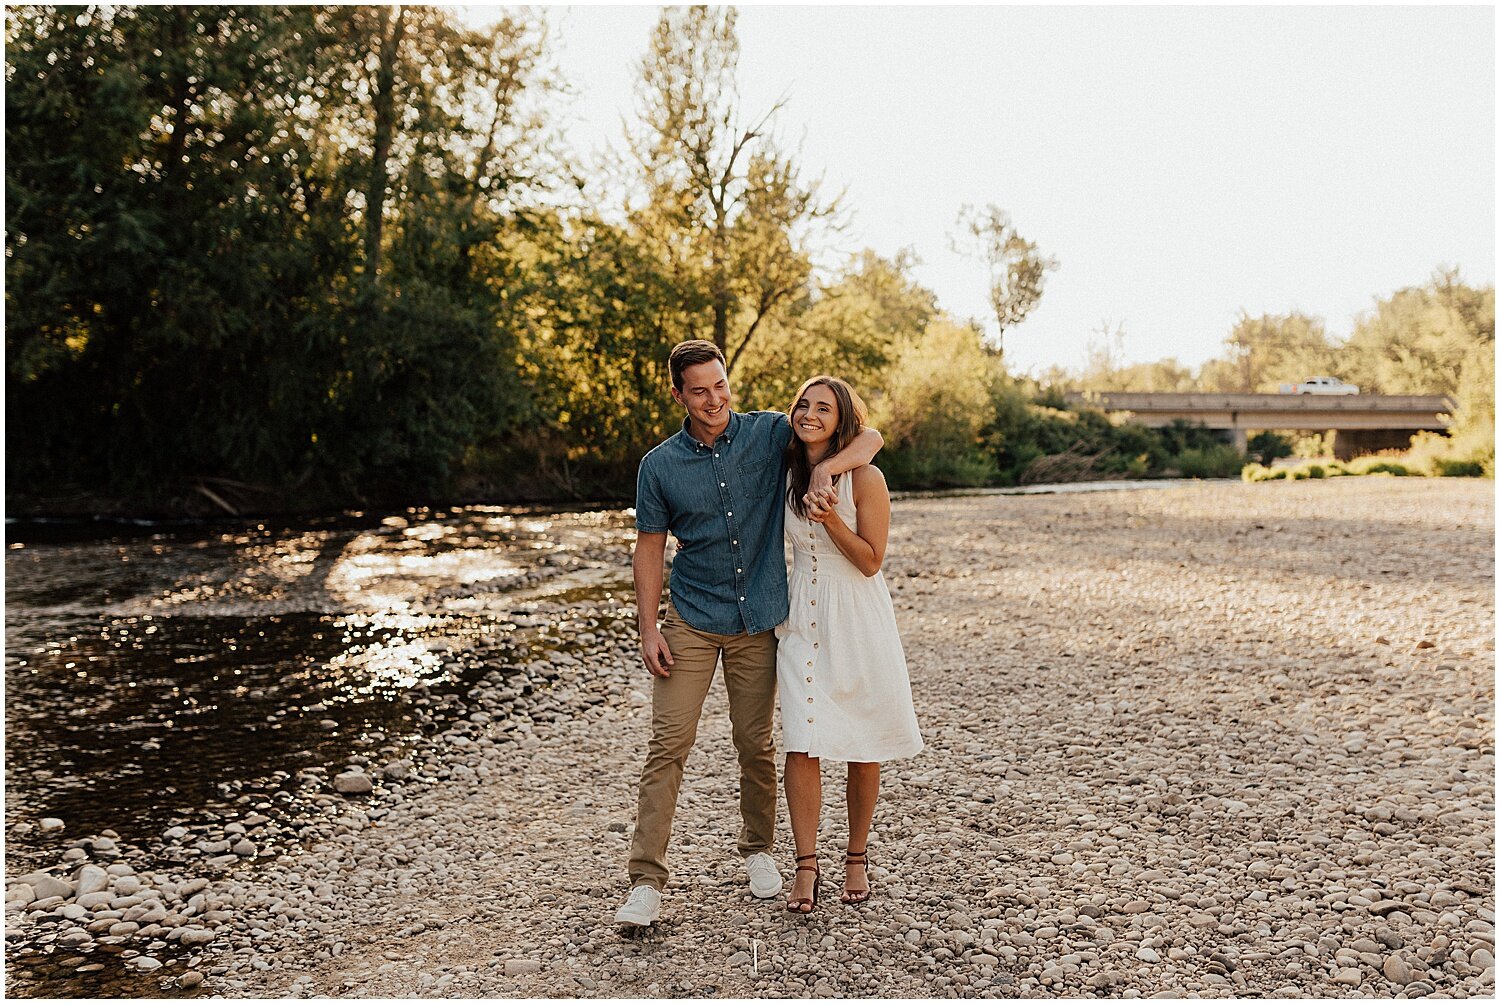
x: 939, y: 398
x: 1268, y: 446
x: 1378, y: 465
x: 1216, y: 461
x: 1314, y: 470
x: 1458, y: 468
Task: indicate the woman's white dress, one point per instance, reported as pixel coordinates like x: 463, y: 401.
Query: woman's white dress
x: 845, y: 694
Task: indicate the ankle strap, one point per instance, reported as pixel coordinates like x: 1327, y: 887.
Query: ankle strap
x: 806, y: 857
x: 855, y: 854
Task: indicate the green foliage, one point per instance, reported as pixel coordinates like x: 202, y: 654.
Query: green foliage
x: 1269, y: 446
x: 190, y: 288
x: 935, y: 402
x: 1217, y: 461
x: 1315, y: 445
x: 329, y: 251
x: 1443, y: 468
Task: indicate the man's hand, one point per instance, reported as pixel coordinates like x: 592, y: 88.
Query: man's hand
x: 820, y: 505
x: 821, y: 480
x: 655, y: 653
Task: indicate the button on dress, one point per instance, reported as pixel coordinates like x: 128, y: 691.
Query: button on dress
x: 840, y: 670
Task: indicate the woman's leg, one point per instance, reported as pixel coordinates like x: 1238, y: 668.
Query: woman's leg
x: 804, y: 803
x: 863, y: 790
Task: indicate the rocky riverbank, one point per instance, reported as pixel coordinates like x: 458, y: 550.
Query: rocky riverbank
x: 1227, y: 740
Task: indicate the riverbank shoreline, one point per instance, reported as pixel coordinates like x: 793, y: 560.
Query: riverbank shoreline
x: 1225, y: 740
x: 189, y: 508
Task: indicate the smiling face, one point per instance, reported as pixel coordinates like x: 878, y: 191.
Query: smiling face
x: 705, y: 394
x: 815, y: 417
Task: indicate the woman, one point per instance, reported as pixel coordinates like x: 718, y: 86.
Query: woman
x: 839, y: 666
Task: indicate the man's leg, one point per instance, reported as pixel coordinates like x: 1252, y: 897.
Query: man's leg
x: 676, y: 703
x: 750, y: 678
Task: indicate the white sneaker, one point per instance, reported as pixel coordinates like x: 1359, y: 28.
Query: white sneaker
x: 641, y: 909
x: 765, y: 877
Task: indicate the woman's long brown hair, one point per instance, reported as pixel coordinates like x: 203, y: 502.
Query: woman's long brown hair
x: 851, y: 424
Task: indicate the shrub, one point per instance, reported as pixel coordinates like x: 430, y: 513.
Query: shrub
x: 1216, y: 461
x: 1443, y: 468
x: 1314, y: 470
x: 1268, y: 446
x: 1378, y: 465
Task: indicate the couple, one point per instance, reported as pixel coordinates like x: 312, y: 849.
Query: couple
x: 727, y: 487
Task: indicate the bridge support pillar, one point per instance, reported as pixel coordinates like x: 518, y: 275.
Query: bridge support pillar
x: 1240, y: 439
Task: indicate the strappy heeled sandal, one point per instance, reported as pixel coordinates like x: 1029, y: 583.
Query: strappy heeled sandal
x: 801, y: 904
x: 856, y: 896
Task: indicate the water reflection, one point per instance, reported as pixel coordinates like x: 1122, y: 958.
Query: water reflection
x: 145, y: 674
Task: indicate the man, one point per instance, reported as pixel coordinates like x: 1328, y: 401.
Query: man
x: 717, y: 487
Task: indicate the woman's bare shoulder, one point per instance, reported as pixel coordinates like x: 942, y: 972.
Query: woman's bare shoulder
x: 867, y: 477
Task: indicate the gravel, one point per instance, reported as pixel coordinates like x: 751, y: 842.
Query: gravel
x: 1180, y: 743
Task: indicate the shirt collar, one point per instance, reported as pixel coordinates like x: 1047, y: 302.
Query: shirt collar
x: 727, y: 436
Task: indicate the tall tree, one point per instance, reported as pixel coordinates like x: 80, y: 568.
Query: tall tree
x: 724, y: 209
x: 1273, y: 349
x: 1017, y: 269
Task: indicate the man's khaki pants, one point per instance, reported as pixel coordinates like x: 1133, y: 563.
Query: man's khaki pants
x: 676, y: 703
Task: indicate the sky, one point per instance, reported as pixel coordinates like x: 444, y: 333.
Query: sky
x: 1182, y: 164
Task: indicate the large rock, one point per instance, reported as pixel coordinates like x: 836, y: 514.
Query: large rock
x: 353, y: 782
x: 48, y: 885
x: 90, y: 879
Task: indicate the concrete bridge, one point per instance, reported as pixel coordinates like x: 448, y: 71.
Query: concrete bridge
x: 1365, y: 422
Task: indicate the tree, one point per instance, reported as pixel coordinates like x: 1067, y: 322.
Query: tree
x: 197, y: 217
x: 1273, y: 349
x: 1416, y: 340
x: 725, y: 210
x: 852, y: 327
x: 1017, y: 269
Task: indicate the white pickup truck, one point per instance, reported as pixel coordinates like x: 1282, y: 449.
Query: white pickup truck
x: 1320, y: 385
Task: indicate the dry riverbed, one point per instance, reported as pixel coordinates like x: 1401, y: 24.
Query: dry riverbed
x: 1221, y: 740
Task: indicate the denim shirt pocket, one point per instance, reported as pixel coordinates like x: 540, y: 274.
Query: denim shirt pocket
x: 756, y: 478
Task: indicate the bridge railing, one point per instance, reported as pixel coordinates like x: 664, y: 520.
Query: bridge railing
x: 1145, y: 402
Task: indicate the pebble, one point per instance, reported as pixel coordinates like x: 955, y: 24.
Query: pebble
x: 522, y: 967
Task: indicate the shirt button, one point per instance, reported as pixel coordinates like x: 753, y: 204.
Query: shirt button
x: 815, y: 580
x: 809, y: 700
x: 721, y: 484
x: 716, y: 454
x: 809, y: 679
x: 815, y: 644
x: 735, y: 543
x: 742, y: 599
x: 813, y: 602
x: 741, y: 570
x: 809, y: 665
x: 815, y: 624
x: 809, y: 721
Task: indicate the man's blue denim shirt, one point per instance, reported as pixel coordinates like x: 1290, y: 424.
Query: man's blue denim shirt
x: 724, y: 505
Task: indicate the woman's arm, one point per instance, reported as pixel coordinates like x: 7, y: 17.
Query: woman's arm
x: 864, y: 546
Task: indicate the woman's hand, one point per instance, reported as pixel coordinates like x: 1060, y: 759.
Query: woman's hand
x: 820, y: 506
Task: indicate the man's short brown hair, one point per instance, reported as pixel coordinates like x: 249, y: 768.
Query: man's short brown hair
x: 691, y: 353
